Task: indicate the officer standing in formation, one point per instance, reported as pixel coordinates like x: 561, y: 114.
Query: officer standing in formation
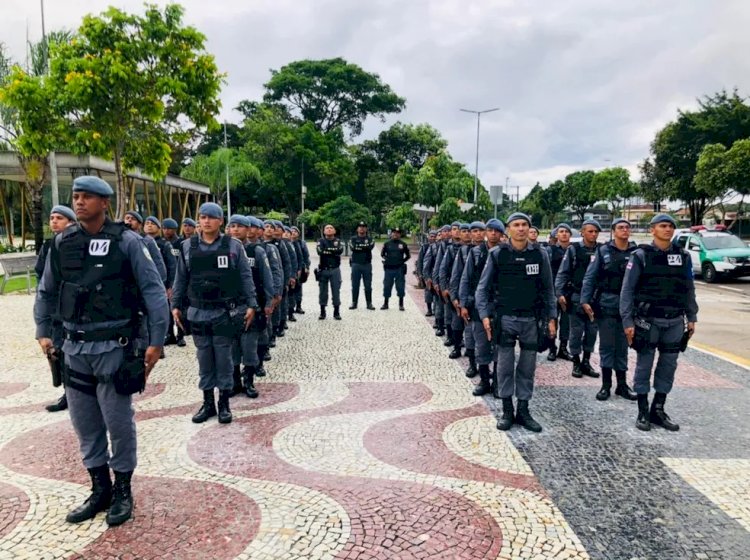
x: 60, y: 217
x: 361, y: 246
x: 568, y: 285
x: 429, y: 272
x: 456, y: 269
x: 188, y: 228
x: 99, y: 277
x: 134, y: 221
x: 217, y: 279
x: 423, y: 261
x: 557, y: 247
x: 329, y: 249
x: 516, y: 294
x: 394, y: 254
x: 659, y: 311
x: 476, y: 233
x: 266, y: 339
x: 305, y: 264
x: 600, y: 300
x: 444, y: 267
x: 169, y: 231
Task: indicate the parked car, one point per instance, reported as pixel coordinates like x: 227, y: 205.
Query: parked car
x: 715, y: 253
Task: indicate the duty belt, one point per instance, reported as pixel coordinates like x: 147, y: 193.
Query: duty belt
x: 121, y: 334
x: 661, y: 313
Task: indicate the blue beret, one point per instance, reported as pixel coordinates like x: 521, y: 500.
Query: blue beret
x: 432, y: 232
x: 277, y: 224
x: 189, y: 222
x: 495, y: 224
x: 465, y: 227
x: 534, y: 227
x: 135, y: 214
x: 154, y: 220
x: 518, y: 216
x: 477, y: 225
x: 93, y: 185
x: 268, y: 223
x: 255, y: 222
x: 239, y: 219
x: 294, y: 228
x: 591, y: 222
x: 553, y: 234
x: 619, y: 221
x: 563, y: 226
x: 63, y: 211
x: 169, y: 223
x: 211, y: 209
x: 659, y: 218
x: 455, y: 224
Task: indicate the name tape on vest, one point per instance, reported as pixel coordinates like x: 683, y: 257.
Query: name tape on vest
x: 222, y: 261
x: 674, y: 260
x: 532, y: 269
x: 99, y: 247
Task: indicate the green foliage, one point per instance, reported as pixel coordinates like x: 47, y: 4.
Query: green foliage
x: 402, y: 216
x: 332, y: 93
x: 530, y: 204
x: 343, y: 213
x: 404, y: 143
x: 550, y: 203
x: 440, y: 178
x: 720, y: 171
x: 380, y: 193
x: 651, y: 186
x: 449, y: 212
x: 274, y: 215
x: 212, y: 169
x: 576, y: 192
x: 614, y: 186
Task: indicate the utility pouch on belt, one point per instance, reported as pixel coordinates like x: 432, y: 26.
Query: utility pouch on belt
x: 303, y: 276
x: 642, y: 334
x: 55, y: 361
x: 684, y: 341
x: 543, y: 340
x: 131, y: 377
x: 317, y: 274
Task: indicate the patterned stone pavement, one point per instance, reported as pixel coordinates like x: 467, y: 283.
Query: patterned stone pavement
x: 366, y: 443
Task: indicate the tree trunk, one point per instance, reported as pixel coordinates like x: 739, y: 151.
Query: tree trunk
x: 121, y: 194
x: 7, y: 219
x: 35, y: 169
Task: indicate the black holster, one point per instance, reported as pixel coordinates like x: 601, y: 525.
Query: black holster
x: 55, y: 360
x: 642, y: 336
x: 131, y: 377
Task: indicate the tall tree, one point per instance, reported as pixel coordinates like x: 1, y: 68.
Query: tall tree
x: 402, y: 143
x: 332, y: 93
x: 651, y: 186
x: 722, y: 172
x: 402, y: 216
x: 212, y: 169
x: 550, y: 202
x: 614, y: 186
x: 576, y: 192
x: 343, y: 213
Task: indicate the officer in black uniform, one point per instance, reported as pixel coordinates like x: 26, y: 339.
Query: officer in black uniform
x: 329, y: 250
x: 60, y: 217
x: 151, y: 228
x: 98, y: 278
x: 169, y: 229
x: 516, y: 294
x: 394, y: 255
x: 659, y: 311
x: 463, y: 321
x: 299, y: 259
x: 361, y: 246
x: 431, y: 276
x: 215, y: 275
x: 561, y: 235
x: 568, y: 286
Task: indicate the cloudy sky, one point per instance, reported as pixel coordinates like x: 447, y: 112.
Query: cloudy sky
x: 579, y: 83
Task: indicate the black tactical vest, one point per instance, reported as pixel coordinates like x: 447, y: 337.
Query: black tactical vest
x: 582, y: 259
x: 663, y: 283
x: 97, y: 282
x: 214, y: 280
x: 613, y: 268
x: 260, y: 293
x: 518, y: 280
x: 479, y: 256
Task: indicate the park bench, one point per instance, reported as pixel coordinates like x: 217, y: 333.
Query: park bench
x: 15, y: 265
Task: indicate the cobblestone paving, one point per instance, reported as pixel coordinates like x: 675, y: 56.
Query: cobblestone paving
x: 366, y: 443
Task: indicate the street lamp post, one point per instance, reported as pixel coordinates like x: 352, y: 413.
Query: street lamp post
x: 476, y: 165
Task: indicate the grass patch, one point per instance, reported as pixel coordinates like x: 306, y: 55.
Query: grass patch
x: 18, y: 284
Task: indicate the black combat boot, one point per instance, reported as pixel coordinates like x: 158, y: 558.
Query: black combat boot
x: 604, y: 392
x: 457, y: 339
x: 322, y: 313
x: 181, y: 342
x: 280, y: 331
x: 577, y: 366
x: 401, y: 304
x: 290, y: 315
x: 660, y: 418
x: 248, y: 373
x: 122, y: 500
x: 524, y: 418
x: 100, y: 498
x: 237, y: 381
x: 643, y: 422
x: 471, y: 371
x: 260, y: 371
x: 563, y: 353
x: 60, y: 404
x: 225, y: 415
x: 586, y: 368
x: 354, y: 303
x: 263, y: 353
x: 272, y: 340
x: 483, y: 387
x: 207, y: 410
x: 448, y: 336
x: 336, y: 314
x: 440, y: 330
x: 429, y: 311
x: 505, y: 422
x: 385, y: 304
x: 299, y: 309
x: 622, y: 389
x: 552, y: 354
x: 368, y: 299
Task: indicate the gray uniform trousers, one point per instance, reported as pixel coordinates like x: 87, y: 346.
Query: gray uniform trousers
x: 439, y: 311
x: 510, y: 375
x: 394, y: 275
x: 582, y: 330
x: 666, y: 335
x: 361, y: 273
x: 563, y: 323
x: 215, y: 356
x: 450, y: 315
x: 469, y: 342
x: 249, y: 345
x: 93, y: 416
x: 330, y: 276
x: 613, y: 346
x: 483, y: 348
x: 429, y: 297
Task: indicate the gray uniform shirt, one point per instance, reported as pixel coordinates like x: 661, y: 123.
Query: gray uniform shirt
x: 591, y: 278
x: 155, y: 253
x: 264, y: 268
x: 294, y: 264
x: 305, y: 254
x: 428, y: 261
x: 150, y: 286
x: 466, y: 296
x: 446, y: 266
x: 286, y: 262
x: 462, y: 254
x: 277, y: 269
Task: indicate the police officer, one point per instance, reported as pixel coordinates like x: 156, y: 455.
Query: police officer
x: 256, y: 234
x: 329, y: 249
x: 274, y: 238
x: 533, y: 234
x: 237, y: 227
x: 169, y: 229
x: 215, y: 275
x: 285, y: 245
x: 151, y: 228
x: 294, y: 246
x: 423, y: 261
x: 280, y: 280
x: 476, y: 238
x: 454, y: 280
x: 444, y: 268
x: 516, y: 289
x: 305, y: 260
x: 600, y: 300
x: 658, y: 309
x: 394, y: 255
x: 361, y: 246
x: 60, y: 217
x: 568, y: 284
x: 483, y: 348
x: 134, y: 221
x: 98, y: 277
x: 286, y: 239
x: 561, y: 236
x: 430, y: 274
x: 188, y: 228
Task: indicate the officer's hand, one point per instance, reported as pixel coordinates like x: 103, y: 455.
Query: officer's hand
x: 428, y: 283
x: 249, y: 316
x: 562, y: 302
x: 487, y: 324
x: 169, y: 293
x: 268, y: 311
x: 46, y: 345
x: 177, y: 316
x: 151, y: 357
x: 446, y: 294
x: 589, y: 311
x: 276, y: 300
x: 552, y: 328
x: 465, y: 315
x: 292, y: 283
x: 691, y: 329
x: 629, y: 334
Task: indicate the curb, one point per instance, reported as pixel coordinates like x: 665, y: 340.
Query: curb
x: 721, y: 354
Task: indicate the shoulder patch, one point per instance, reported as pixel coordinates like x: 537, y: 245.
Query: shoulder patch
x: 147, y: 253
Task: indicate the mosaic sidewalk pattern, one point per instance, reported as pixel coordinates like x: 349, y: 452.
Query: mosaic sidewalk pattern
x: 366, y: 443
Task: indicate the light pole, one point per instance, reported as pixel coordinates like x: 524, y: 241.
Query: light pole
x: 229, y: 202
x: 303, y: 192
x: 476, y: 166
